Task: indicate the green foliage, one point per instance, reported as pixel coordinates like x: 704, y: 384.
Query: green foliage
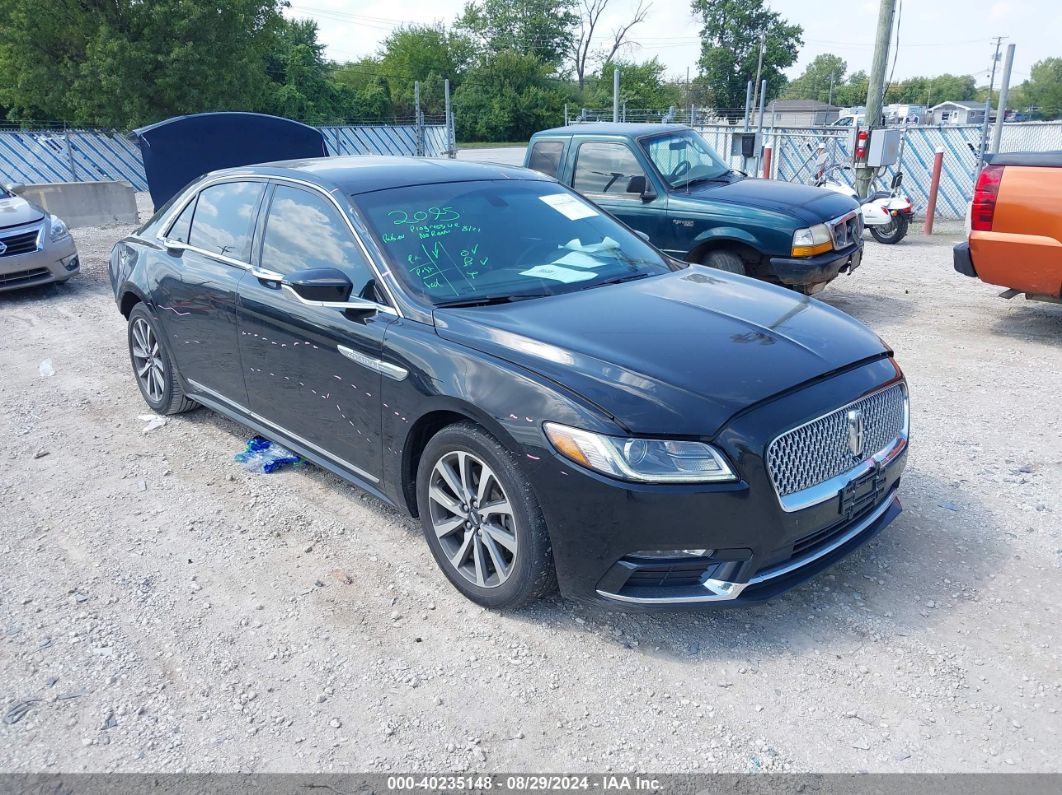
x: 506, y: 97
x: 931, y: 91
x: 642, y: 86
x: 542, y: 29
x: 122, y: 63
x: 815, y: 81
x: 1042, y: 92
x: 853, y: 91
x: 730, y: 46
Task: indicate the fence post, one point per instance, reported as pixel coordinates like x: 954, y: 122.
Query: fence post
x: 934, y: 183
x: 451, y: 136
x: 70, y: 156
x: 767, y: 161
x: 419, y: 118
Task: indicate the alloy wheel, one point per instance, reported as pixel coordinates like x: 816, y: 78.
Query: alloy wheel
x: 472, y: 518
x: 147, y: 361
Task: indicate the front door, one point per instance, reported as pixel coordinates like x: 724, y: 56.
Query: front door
x: 310, y: 369
x: 209, y: 254
x: 611, y: 176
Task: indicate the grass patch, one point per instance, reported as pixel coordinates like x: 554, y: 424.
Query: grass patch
x: 491, y: 144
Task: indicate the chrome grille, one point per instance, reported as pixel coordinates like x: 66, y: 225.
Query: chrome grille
x: 23, y: 241
x: 819, y: 450
x: 846, y: 230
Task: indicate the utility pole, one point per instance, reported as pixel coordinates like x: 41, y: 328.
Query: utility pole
x: 615, y: 93
x: 876, y: 88
x: 1004, y: 89
x: 759, y: 67
x: 988, y: 108
x: 829, y: 101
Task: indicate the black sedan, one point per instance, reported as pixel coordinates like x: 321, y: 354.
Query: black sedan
x: 554, y: 398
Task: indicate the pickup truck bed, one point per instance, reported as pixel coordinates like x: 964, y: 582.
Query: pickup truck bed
x: 1015, y: 239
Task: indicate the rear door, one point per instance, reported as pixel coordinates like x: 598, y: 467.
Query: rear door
x: 610, y: 173
x: 310, y: 369
x: 208, y: 253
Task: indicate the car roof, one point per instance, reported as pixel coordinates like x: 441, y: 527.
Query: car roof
x: 628, y: 130
x: 354, y: 174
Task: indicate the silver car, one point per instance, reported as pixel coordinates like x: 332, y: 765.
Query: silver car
x: 35, y: 246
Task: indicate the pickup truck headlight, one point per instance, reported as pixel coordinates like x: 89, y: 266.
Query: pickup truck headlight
x: 812, y: 241
x: 59, y: 229
x: 642, y: 460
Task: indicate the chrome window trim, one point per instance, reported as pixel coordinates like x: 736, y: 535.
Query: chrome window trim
x: 300, y: 440
x: 828, y: 489
x: 724, y: 590
x: 392, y: 371
x: 393, y: 308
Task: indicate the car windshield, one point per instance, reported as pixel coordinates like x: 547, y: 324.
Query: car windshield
x: 468, y: 243
x: 683, y: 158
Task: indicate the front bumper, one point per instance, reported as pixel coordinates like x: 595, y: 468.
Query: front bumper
x: 51, y: 261
x: 962, y: 260
x: 757, y: 548
x: 820, y: 269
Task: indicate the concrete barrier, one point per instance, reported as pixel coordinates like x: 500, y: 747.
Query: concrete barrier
x: 85, y: 203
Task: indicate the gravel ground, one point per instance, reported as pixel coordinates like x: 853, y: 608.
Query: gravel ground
x: 162, y: 609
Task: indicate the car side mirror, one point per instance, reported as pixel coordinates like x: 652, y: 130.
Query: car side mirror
x: 320, y: 285
x: 14, y: 187
x: 640, y: 185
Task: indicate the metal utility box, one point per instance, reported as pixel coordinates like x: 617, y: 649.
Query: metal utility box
x: 884, y: 149
x: 745, y: 144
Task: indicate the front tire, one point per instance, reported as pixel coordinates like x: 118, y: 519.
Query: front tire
x: 153, y: 366
x: 725, y: 261
x: 481, y: 519
x: 892, y: 232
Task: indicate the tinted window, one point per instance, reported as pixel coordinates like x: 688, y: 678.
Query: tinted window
x: 305, y: 231
x: 183, y: 225
x: 224, y: 219
x: 478, y: 240
x: 605, y: 168
x: 546, y: 157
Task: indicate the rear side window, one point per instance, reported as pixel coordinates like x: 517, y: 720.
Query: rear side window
x: 224, y: 219
x: 306, y: 231
x: 546, y: 157
x: 180, y: 229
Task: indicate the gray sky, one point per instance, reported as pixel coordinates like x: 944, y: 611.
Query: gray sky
x: 935, y: 35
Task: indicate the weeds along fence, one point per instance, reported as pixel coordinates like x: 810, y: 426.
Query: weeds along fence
x: 794, y: 155
x: 58, y: 155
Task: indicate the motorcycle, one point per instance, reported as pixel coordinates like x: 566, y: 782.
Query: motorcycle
x: 887, y: 214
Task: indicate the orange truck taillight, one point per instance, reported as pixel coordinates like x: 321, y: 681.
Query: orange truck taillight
x: 984, y: 199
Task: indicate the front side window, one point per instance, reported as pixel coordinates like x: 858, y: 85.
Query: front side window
x: 499, y: 240
x: 546, y: 157
x: 607, y: 168
x: 683, y: 158
x: 224, y: 219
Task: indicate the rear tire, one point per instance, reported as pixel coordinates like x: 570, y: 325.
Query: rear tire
x: 153, y: 366
x: 723, y: 260
x: 892, y: 232
x: 481, y: 519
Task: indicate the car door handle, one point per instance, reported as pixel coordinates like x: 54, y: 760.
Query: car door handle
x: 392, y: 371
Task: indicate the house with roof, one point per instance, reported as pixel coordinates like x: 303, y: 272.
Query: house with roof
x: 959, y: 112
x: 797, y: 113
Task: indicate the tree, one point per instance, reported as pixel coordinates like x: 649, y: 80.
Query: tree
x: 121, y: 63
x: 363, y: 91
x: 730, y: 45
x: 854, y: 90
x: 642, y: 86
x: 825, y: 71
x: 1043, y: 90
x: 301, y: 85
x: 507, y: 96
x: 590, y: 12
x: 425, y: 53
x: 539, y: 28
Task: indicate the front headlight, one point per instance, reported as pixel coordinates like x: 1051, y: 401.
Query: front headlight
x: 642, y: 460
x: 812, y: 241
x: 59, y: 228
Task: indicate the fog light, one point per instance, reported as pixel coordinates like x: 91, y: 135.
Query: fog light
x: 71, y: 263
x: 663, y: 554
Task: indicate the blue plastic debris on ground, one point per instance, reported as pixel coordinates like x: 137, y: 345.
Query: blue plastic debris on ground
x: 263, y: 455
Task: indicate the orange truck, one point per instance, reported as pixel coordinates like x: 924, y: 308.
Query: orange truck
x: 1015, y: 226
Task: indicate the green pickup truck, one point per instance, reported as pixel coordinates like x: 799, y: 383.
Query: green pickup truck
x: 663, y: 180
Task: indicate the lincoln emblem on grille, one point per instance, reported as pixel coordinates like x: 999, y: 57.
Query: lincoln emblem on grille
x: 857, y: 436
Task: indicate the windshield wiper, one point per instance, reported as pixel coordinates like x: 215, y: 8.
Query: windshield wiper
x: 631, y: 277
x: 488, y: 300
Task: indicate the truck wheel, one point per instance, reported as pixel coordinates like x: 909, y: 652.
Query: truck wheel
x: 725, y: 261
x: 892, y: 232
